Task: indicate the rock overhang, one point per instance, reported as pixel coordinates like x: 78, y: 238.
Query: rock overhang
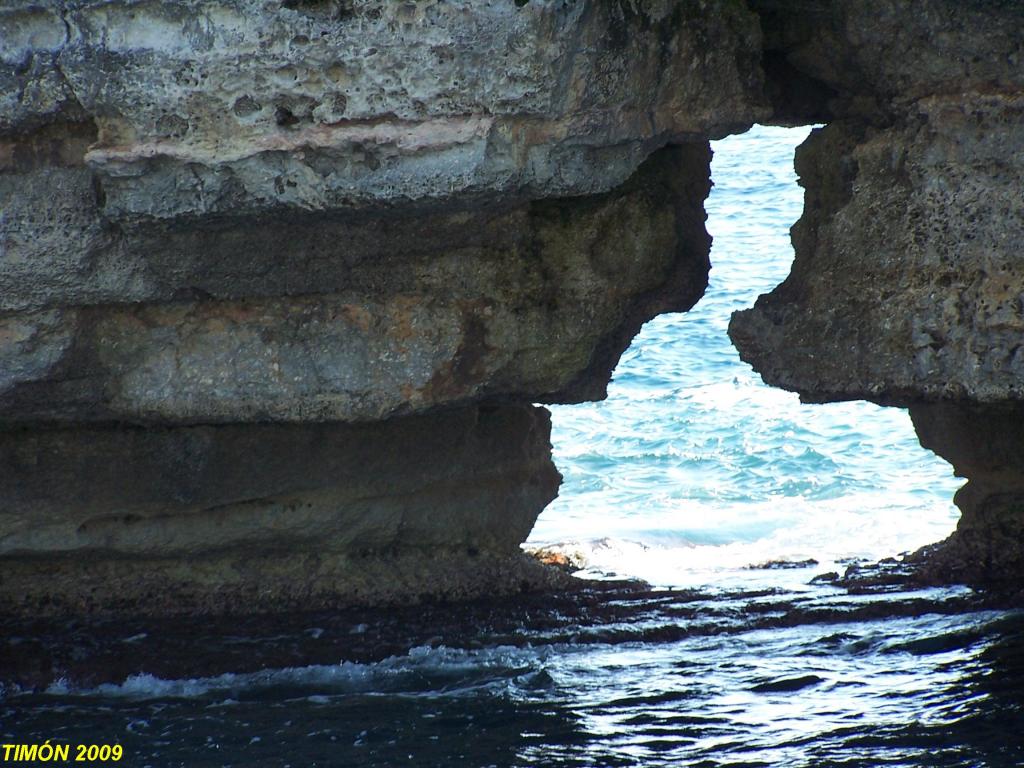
x: 245, y: 106
x: 353, y: 215
x: 280, y: 280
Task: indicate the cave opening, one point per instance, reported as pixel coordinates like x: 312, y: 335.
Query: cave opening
x: 693, y: 469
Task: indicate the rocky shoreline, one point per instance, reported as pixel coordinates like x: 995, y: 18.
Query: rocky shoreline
x: 280, y: 282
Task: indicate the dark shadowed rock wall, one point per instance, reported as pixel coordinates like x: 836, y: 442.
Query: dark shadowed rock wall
x: 250, y: 517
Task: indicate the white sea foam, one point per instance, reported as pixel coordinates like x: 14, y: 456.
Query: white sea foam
x: 691, y: 471
x: 346, y: 677
x: 695, y: 458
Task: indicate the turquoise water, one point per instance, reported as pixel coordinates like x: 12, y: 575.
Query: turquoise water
x: 690, y: 472
x: 695, y: 459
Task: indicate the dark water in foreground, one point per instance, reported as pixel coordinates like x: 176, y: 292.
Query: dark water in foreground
x: 691, y: 472
x: 612, y: 677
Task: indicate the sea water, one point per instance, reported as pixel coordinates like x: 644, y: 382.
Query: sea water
x: 693, y: 466
x: 690, y: 473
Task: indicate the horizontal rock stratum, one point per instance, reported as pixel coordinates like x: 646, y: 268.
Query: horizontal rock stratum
x: 281, y: 280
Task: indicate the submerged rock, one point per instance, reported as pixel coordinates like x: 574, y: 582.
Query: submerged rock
x: 783, y: 565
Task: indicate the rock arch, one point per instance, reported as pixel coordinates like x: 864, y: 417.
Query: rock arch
x: 264, y: 362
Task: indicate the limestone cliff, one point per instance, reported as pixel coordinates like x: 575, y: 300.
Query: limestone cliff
x: 908, y: 284
x: 281, y: 279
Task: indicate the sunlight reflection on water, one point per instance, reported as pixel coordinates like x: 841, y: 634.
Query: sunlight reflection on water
x: 691, y: 470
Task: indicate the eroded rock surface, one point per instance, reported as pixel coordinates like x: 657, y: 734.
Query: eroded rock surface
x: 279, y: 279
x: 908, y: 284
x: 983, y: 443
x: 249, y: 517
x: 360, y: 317
x: 908, y: 262
x: 235, y: 107
x: 267, y: 265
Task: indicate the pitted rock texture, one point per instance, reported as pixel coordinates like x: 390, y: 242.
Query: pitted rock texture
x: 908, y: 284
x: 266, y: 265
x: 233, y: 107
x: 362, y: 317
x: 249, y: 248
